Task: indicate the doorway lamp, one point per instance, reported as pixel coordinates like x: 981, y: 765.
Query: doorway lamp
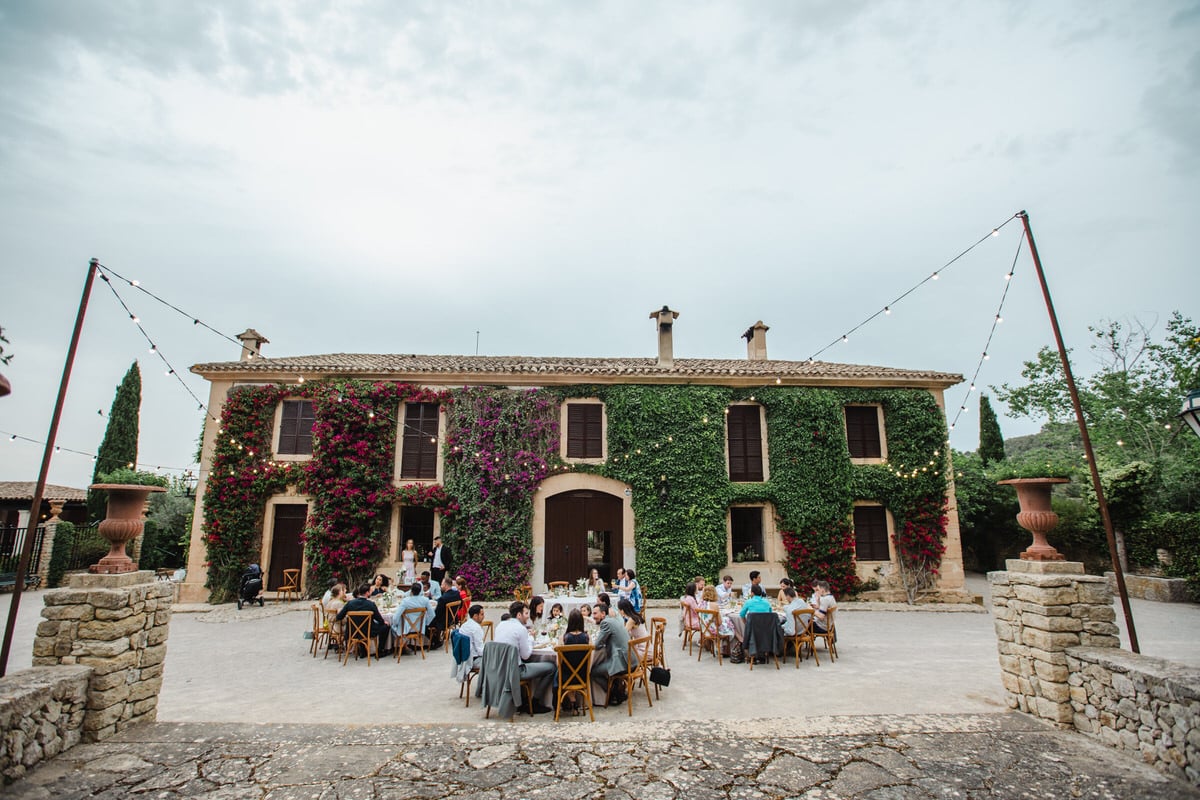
x: 1190, y: 413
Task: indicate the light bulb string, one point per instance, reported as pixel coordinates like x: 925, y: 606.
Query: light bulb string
x: 9, y: 436
x: 171, y: 371
x: 983, y: 356
x: 930, y: 277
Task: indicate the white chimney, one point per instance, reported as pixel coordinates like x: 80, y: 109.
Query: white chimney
x: 756, y: 341
x: 666, y: 320
x: 252, y: 342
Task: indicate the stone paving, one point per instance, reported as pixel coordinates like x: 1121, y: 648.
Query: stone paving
x: 882, y: 757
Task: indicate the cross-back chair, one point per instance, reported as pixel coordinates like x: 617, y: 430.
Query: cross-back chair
x: 412, y: 621
x: 450, y: 621
x: 639, y: 670
x: 710, y: 635
x: 320, y: 630
x: 558, y: 585
x: 802, y: 638
x: 658, y: 650
x: 523, y: 593
x: 358, y: 632
x: 289, y: 588
x: 574, y: 675
x: 829, y: 635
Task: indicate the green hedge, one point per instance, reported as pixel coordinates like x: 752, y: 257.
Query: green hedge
x: 60, y: 553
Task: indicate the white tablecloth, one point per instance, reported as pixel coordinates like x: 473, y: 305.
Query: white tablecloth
x: 568, y: 603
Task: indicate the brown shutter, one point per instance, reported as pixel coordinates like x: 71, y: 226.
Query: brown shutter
x: 745, y: 444
x: 585, y: 430
x: 419, y: 456
x: 870, y: 533
x: 295, y: 427
x: 862, y: 432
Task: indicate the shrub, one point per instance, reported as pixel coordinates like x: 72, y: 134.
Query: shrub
x: 60, y: 553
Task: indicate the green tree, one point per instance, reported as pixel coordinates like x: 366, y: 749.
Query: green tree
x: 987, y: 516
x: 119, y: 446
x: 991, y: 441
x: 168, y: 528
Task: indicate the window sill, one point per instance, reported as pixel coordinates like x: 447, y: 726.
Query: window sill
x: 291, y: 457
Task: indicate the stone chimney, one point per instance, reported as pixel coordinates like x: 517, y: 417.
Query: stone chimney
x: 756, y: 341
x: 252, y: 342
x: 666, y: 320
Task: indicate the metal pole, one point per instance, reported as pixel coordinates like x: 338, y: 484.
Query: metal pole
x: 39, y: 490
x: 1087, y: 441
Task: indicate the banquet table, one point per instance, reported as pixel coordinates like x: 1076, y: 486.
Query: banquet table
x: 569, y: 602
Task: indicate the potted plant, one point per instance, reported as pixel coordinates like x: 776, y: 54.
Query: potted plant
x: 1034, y: 477
x: 127, y: 492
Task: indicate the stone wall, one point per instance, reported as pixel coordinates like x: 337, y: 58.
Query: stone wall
x: 117, y: 625
x: 1146, y: 706
x: 1149, y: 587
x: 1042, y: 608
x: 41, y: 715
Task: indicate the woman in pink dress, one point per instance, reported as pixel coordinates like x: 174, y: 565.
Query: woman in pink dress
x: 409, y: 557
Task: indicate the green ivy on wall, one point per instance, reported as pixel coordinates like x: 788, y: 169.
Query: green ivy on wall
x: 666, y: 442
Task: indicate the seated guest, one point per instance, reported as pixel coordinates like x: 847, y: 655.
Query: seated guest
x: 822, y: 601
x: 613, y: 641
x: 556, y: 611
x: 337, y: 599
x: 473, y: 630
x: 536, y: 604
x: 758, y: 602
x: 635, y: 626
x: 585, y: 611
x: 414, y: 599
x: 688, y: 618
x: 595, y: 582
x: 784, y: 583
x: 432, y: 590
x: 725, y: 591
x: 362, y: 603
x: 438, y: 623
x: 329, y: 592
x: 701, y: 583
x: 755, y: 580
x: 539, y: 673
x: 380, y: 585
x: 635, y: 590
x: 464, y: 594
x: 575, y: 633
x: 791, y: 602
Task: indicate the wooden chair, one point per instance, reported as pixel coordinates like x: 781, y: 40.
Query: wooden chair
x: 828, y: 635
x: 689, y: 632
x: 450, y: 621
x: 710, y: 636
x: 658, y: 650
x: 558, y: 585
x: 763, y: 636
x: 489, y: 679
x: 320, y: 631
x: 411, y: 623
x: 737, y: 592
x: 574, y: 675
x: 358, y: 632
x: 802, y: 638
x: 333, y: 637
x: 523, y: 593
x: 489, y: 632
x: 289, y: 589
x: 639, y: 653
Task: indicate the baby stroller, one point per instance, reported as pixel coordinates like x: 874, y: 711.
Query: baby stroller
x: 251, y: 588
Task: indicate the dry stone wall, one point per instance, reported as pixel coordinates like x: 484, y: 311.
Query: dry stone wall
x: 41, y: 715
x: 117, y: 625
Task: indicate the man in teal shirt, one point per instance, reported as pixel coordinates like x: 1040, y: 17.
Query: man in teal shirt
x: 758, y: 602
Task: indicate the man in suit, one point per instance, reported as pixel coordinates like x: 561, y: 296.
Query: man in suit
x: 361, y: 602
x: 437, y: 626
x: 613, y: 639
x: 439, y: 560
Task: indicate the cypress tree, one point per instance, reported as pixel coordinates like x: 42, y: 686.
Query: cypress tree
x: 119, y: 447
x: 991, y: 442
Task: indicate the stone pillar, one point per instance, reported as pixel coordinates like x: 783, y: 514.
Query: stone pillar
x: 42, y: 567
x: 1041, y: 608
x: 117, y: 625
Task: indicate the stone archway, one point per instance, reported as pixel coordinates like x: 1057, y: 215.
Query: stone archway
x: 603, y: 499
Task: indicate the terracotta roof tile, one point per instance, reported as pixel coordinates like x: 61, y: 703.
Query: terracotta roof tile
x: 392, y: 366
x: 23, y: 490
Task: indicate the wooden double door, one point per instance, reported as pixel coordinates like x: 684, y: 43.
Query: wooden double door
x: 287, y: 550
x: 583, y: 530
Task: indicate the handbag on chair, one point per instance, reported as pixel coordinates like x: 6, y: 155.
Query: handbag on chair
x: 660, y: 675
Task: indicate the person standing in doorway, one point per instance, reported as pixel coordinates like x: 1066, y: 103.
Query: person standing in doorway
x: 438, y: 560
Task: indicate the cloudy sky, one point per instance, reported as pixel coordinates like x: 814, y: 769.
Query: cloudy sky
x: 393, y: 177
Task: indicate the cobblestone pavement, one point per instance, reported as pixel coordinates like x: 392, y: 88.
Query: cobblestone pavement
x: 882, y: 757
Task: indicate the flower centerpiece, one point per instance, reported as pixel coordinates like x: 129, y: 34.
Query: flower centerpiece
x: 581, y: 587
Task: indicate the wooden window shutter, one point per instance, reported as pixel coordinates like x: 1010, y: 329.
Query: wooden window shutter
x: 744, y: 432
x: 585, y: 430
x: 419, y: 456
x: 295, y: 428
x: 870, y: 534
x: 862, y: 432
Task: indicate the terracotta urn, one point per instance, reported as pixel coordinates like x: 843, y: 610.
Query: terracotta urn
x: 122, y: 524
x: 1036, y: 516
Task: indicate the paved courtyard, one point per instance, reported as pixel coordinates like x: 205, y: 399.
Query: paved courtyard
x: 913, y: 708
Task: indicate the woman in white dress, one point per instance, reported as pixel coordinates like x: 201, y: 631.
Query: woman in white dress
x: 409, y: 557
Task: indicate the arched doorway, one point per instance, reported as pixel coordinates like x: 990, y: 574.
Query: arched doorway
x: 584, y: 529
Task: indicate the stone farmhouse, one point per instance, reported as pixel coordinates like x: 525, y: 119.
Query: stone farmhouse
x: 535, y: 469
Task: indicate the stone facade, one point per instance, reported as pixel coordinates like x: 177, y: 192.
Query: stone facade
x: 1143, y: 705
x: 117, y: 625
x: 41, y: 715
x: 1041, y: 609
